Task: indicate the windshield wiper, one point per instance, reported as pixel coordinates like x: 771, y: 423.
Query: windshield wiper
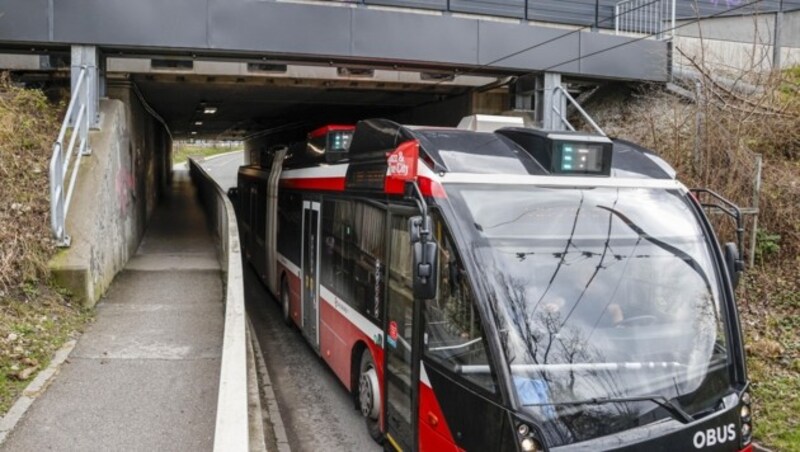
x: 670, y: 406
x: 677, y: 252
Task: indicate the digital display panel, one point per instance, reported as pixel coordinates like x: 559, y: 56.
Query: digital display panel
x: 577, y: 157
x: 339, y: 140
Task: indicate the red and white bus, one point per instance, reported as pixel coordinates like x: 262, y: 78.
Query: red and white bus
x: 511, y: 289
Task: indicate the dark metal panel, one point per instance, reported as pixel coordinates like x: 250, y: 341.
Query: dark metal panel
x: 548, y: 47
x: 689, y: 9
x: 389, y: 35
x: 506, y: 8
x: 24, y: 20
x: 612, y: 56
x: 439, y: 5
x: 575, y: 12
x: 173, y: 23
x: 280, y: 27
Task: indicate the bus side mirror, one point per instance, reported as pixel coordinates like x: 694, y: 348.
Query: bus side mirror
x: 425, y: 259
x: 734, y: 263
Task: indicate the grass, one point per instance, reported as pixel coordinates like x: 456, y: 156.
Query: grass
x: 182, y: 151
x: 36, y: 318
x: 770, y: 313
x: 30, y: 333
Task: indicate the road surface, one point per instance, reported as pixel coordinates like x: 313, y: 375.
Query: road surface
x: 223, y: 168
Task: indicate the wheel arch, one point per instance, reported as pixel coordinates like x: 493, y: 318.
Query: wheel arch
x: 355, y: 368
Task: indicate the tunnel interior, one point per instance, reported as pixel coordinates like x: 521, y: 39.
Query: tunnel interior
x: 234, y: 107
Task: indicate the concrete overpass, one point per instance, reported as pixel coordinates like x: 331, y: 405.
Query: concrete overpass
x: 267, y: 63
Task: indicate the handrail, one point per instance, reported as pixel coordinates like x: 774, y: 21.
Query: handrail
x: 62, y: 166
x: 560, y: 90
x: 648, y: 17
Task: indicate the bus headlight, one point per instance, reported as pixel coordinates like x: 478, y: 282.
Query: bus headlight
x: 746, y: 398
x: 527, y: 441
x: 746, y: 430
x: 745, y: 413
x: 529, y: 444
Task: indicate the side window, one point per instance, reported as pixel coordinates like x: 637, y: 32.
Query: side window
x: 337, y: 263
x: 453, y: 331
x: 290, y: 214
x: 369, y: 260
x: 353, y: 254
x: 261, y: 212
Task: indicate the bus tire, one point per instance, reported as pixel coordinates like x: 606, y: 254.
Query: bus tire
x: 286, y: 303
x: 369, y: 398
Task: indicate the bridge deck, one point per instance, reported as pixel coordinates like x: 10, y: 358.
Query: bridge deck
x: 144, y: 376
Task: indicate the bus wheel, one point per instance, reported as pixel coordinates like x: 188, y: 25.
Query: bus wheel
x: 286, y: 305
x: 369, y: 395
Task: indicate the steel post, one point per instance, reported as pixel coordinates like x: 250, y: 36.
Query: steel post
x: 550, y: 101
x: 87, y: 57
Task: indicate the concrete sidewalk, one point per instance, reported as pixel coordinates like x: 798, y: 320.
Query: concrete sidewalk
x: 144, y: 376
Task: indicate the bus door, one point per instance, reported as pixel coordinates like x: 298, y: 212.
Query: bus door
x: 401, y: 349
x: 310, y: 270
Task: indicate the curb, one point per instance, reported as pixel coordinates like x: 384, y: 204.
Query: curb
x: 35, y: 389
x: 255, y: 410
x: 274, y: 413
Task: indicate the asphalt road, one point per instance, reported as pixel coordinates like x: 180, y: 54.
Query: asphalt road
x: 317, y: 410
x: 223, y: 168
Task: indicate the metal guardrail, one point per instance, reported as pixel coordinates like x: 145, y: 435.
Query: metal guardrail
x: 231, y: 433
x: 565, y: 98
x: 645, y: 17
x: 65, y: 162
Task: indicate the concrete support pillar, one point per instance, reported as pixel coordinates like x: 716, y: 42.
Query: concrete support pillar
x: 550, y: 104
x: 87, y: 57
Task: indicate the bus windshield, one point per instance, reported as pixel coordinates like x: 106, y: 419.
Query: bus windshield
x: 598, y: 293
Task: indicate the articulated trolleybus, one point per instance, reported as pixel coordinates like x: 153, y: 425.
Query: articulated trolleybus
x: 507, y: 289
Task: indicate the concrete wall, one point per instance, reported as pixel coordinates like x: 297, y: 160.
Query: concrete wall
x: 739, y: 43
x: 117, y: 190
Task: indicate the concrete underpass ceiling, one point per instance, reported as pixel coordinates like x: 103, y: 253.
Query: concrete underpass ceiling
x: 246, y: 106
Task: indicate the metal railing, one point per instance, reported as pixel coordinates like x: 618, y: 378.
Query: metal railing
x: 645, y: 17
x: 65, y: 162
x: 561, y: 97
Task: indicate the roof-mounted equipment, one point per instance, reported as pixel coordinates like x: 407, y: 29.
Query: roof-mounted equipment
x: 565, y: 153
x: 332, y: 141
x: 489, y: 123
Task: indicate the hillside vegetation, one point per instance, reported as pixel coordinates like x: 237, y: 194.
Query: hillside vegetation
x: 35, y: 317
x: 711, y: 141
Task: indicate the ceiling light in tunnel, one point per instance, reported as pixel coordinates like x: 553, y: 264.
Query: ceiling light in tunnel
x: 355, y: 72
x: 210, y: 110
x: 437, y: 76
x: 198, y: 123
x: 194, y: 132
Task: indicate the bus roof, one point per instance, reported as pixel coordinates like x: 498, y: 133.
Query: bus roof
x: 516, y: 151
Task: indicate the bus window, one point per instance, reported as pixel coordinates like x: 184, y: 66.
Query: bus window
x: 337, y: 230
x: 453, y: 331
x: 370, y: 226
x: 290, y: 214
x: 261, y: 213
x: 353, y: 259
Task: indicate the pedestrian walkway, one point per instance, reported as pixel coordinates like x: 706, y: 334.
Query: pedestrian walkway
x: 144, y: 375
